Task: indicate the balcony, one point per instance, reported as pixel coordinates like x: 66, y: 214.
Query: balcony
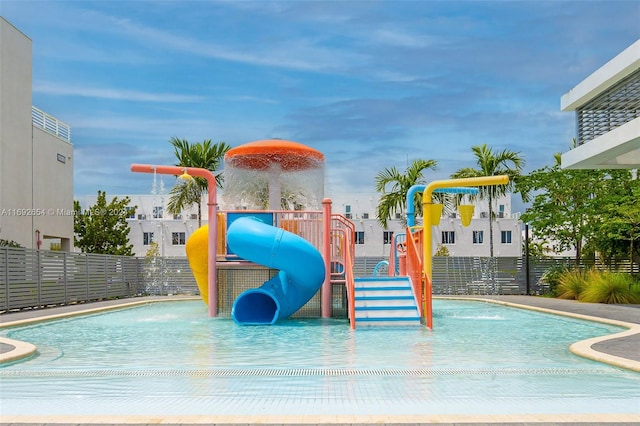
x: 50, y: 124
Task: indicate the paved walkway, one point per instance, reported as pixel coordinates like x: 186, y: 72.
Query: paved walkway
x: 623, y: 350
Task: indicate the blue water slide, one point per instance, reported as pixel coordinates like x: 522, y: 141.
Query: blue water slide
x: 301, y: 271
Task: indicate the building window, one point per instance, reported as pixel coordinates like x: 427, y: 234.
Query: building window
x: 365, y: 215
x: 147, y: 238
x: 398, y: 215
x: 478, y: 237
x: 505, y: 237
x: 178, y: 238
x: 359, y: 237
x: 387, y: 237
x: 448, y: 237
x: 157, y: 212
x: 131, y: 212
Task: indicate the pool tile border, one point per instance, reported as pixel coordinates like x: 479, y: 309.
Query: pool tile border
x: 326, y: 419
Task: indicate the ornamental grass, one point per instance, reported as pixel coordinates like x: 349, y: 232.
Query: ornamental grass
x: 572, y: 283
x: 610, y: 287
x: 592, y: 286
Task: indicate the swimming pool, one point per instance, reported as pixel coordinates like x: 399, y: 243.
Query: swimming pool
x: 170, y: 359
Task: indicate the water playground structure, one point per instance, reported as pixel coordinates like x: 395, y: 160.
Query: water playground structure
x: 282, y: 223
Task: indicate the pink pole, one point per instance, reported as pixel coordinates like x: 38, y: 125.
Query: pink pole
x: 212, y: 220
x: 326, y: 253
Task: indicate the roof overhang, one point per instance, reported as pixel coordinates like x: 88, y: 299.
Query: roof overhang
x: 608, y: 75
x: 617, y: 149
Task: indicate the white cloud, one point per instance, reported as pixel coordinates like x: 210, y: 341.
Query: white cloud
x: 49, y: 88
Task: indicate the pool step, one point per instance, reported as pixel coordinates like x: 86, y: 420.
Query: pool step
x: 385, y: 301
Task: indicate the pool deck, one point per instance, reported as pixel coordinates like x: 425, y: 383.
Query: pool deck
x: 621, y: 349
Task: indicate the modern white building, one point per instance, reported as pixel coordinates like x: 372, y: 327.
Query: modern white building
x: 149, y: 222
x: 607, y: 108
x: 36, y: 156
x: 458, y: 240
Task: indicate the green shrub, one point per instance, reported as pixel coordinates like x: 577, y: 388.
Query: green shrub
x: 552, y: 277
x: 635, y: 292
x: 609, y: 287
x: 572, y: 283
x: 8, y: 243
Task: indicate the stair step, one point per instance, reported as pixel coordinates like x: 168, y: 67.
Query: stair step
x: 386, y: 314
x: 385, y: 308
x: 392, y: 297
x: 395, y: 284
x: 388, y: 322
x: 393, y: 302
x: 381, y: 279
x: 407, y: 288
x: 385, y: 301
x: 388, y: 293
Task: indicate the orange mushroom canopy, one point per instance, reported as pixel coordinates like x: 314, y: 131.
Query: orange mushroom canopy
x: 263, y: 154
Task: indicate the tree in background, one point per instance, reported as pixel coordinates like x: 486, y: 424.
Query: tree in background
x: 493, y: 163
x: 565, y: 208
x: 204, y: 155
x: 617, y: 230
x: 9, y: 243
x: 394, y: 199
x: 103, y: 228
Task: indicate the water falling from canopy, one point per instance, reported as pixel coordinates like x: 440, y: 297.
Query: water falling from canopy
x: 273, y: 174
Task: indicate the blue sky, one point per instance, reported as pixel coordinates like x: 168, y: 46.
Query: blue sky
x: 371, y: 84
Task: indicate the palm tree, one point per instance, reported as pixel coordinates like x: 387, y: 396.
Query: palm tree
x: 204, y: 155
x: 396, y: 198
x: 492, y: 163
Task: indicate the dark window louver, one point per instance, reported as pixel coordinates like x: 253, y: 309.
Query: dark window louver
x: 613, y: 108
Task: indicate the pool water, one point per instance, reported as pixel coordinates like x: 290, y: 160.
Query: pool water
x: 170, y: 358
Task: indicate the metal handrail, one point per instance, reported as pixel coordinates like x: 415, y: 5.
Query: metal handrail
x: 344, y: 230
x: 414, y: 265
x: 50, y: 124
x: 343, y: 240
x: 340, y: 222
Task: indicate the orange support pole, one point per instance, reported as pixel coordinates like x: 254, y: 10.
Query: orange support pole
x: 212, y: 219
x: 326, y: 253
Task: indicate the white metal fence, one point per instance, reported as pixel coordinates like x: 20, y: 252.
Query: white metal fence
x: 50, y: 124
x: 32, y: 278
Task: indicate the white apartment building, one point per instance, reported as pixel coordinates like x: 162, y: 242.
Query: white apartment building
x: 150, y: 222
x: 373, y: 240
x: 36, y: 156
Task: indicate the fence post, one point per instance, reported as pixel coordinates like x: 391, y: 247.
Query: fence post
x: 123, y: 276
x: 64, y: 274
x: 106, y: 279
x: 39, y: 276
x: 526, y: 258
x: 6, y: 277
